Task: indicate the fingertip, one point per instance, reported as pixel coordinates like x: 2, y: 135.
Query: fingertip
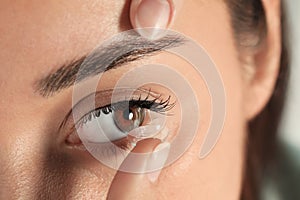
x: 133, y: 9
x: 124, y: 184
x: 149, y: 17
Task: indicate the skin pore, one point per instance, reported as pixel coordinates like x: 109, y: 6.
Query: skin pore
x: 38, y: 37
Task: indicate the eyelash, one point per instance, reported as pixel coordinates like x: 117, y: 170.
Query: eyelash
x: 157, y: 105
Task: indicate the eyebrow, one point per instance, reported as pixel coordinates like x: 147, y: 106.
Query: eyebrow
x: 130, y: 48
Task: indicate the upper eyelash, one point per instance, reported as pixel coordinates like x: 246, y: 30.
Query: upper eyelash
x: 157, y: 105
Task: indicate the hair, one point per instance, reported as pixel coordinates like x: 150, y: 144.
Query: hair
x: 249, y: 23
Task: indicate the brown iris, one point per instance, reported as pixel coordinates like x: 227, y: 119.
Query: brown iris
x: 127, y: 119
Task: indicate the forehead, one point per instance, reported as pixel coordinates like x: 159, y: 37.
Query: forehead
x: 36, y: 36
x: 30, y: 24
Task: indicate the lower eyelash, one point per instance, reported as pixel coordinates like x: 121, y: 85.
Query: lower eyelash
x: 113, y: 149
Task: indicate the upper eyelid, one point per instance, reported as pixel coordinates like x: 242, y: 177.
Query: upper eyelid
x: 67, y: 117
x: 161, y: 106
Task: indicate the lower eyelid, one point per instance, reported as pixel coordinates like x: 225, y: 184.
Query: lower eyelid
x: 126, y: 143
x: 107, y: 149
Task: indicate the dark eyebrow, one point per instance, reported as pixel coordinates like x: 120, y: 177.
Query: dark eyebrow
x: 130, y: 48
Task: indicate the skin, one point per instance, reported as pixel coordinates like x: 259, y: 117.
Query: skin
x: 37, y: 36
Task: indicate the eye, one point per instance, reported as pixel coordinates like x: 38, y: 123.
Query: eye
x: 114, y: 122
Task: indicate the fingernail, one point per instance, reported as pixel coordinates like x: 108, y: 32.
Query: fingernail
x: 157, y: 161
x: 154, y: 15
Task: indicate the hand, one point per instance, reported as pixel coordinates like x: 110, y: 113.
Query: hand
x: 127, y: 185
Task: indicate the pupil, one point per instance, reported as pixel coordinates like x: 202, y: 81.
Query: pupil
x: 128, y: 114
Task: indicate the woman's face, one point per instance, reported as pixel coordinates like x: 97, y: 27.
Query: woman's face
x: 38, y: 37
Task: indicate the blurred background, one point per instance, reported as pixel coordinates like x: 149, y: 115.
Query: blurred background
x: 284, y: 182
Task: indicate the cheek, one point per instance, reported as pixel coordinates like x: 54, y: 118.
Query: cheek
x: 32, y: 168
x: 73, y: 182
x: 208, y: 178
